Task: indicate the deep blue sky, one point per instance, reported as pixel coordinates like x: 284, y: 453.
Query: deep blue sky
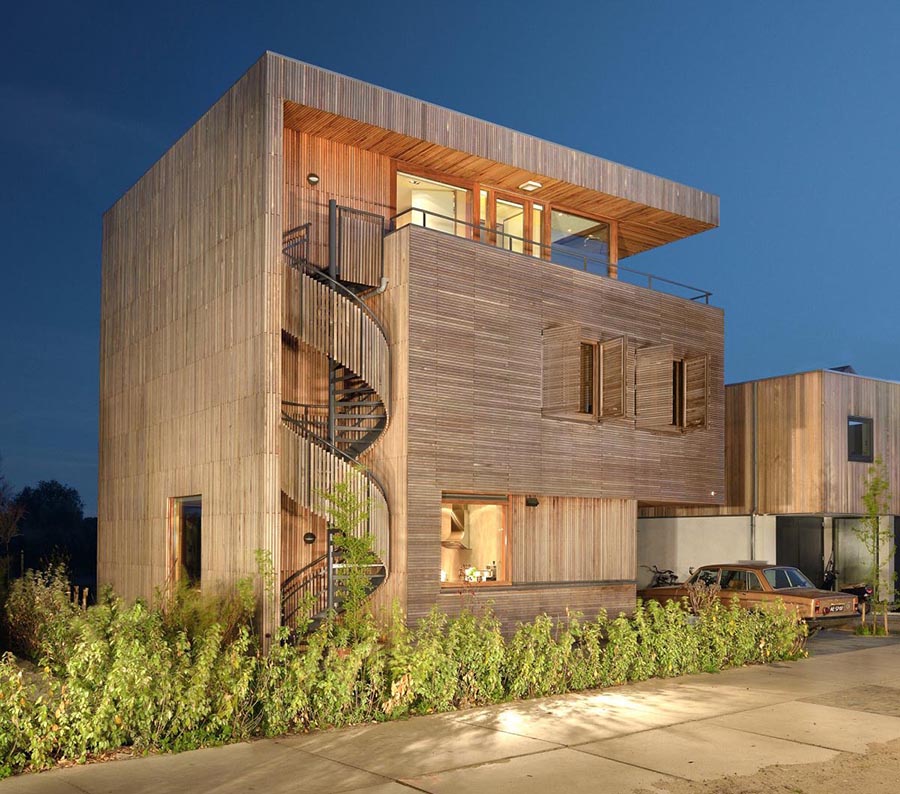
x: 788, y: 111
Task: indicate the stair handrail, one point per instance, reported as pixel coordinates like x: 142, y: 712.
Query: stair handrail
x: 297, y: 574
x: 305, y: 266
x: 309, y: 433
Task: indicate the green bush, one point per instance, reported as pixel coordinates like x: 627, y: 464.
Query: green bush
x: 186, y: 672
x: 38, y: 614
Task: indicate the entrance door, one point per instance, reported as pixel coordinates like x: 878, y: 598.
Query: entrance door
x: 799, y: 541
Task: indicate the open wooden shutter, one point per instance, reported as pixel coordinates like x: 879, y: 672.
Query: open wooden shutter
x: 696, y: 390
x: 612, y: 377
x: 654, y: 387
x: 561, y: 384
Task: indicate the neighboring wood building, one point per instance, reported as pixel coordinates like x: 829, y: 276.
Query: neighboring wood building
x: 797, y: 452
x: 321, y: 273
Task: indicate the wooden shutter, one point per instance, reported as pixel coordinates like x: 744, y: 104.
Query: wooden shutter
x: 654, y: 387
x: 612, y: 377
x: 696, y: 391
x: 561, y: 376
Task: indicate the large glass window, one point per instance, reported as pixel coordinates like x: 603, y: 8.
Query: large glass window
x: 434, y: 205
x: 577, y: 241
x: 185, y: 538
x: 474, y: 540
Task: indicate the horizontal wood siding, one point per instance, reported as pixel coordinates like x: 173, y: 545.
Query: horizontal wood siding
x: 514, y: 605
x: 476, y: 391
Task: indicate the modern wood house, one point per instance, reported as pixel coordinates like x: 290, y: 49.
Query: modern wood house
x: 797, y: 452
x: 326, y: 281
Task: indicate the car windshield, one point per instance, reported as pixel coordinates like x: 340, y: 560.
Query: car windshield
x: 782, y: 578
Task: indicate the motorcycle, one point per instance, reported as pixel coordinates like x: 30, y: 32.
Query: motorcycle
x: 661, y: 578
x: 861, y: 590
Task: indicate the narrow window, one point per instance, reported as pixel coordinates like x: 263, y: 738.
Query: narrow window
x: 678, y: 393
x: 586, y: 398
x: 185, y: 537
x: 860, y: 445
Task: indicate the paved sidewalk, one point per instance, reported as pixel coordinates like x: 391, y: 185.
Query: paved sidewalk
x: 622, y: 739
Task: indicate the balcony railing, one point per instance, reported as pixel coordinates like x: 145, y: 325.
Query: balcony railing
x: 556, y: 253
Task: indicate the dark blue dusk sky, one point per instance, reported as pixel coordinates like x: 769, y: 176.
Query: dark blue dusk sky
x: 789, y: 111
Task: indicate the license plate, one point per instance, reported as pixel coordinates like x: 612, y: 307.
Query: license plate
x: 837, y: 607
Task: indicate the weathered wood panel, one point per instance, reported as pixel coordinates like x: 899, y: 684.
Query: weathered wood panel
x: 190, y: 351
x: 515, y: 605
x: 846, y: 395
x: 475, y: 394
x: 572, y: 540
x: 651, y: 210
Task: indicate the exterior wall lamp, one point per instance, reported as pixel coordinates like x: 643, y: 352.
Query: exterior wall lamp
x: 309, y: 538
x: 531, y: 501
x: 313, y: 179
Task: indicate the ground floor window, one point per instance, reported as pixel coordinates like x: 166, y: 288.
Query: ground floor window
x: 474, y: 540
x: 185, y: 538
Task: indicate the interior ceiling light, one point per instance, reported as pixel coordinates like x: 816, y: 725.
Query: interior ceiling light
x: 530, y: 186
x: 414, y: 182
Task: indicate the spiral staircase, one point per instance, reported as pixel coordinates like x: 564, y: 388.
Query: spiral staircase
x: 321, y: 444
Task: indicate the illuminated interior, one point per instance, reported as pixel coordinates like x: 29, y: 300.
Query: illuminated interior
x: 474, y: 542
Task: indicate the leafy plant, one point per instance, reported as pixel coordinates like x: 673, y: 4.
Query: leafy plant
x: 876, y: 538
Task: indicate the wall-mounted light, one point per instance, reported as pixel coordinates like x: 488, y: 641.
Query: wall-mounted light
x: 712, y: 493
x: 531, y: 501
x: 309, y: 538
x: 313, y: 179
x: 530, y: 186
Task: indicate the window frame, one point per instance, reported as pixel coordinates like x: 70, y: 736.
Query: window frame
x: 868, y: 434
x: 175, y: 539
x: 504, y: 568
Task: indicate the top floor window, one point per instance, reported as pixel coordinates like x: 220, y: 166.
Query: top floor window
x: 583, y: 237
x: 434, y: 205
x: 860, y: 445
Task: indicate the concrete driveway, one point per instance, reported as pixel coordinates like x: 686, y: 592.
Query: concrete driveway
x: 623, y: 739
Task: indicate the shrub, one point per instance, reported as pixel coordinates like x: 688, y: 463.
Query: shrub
x: 187, y: 672
x: 38, y: 614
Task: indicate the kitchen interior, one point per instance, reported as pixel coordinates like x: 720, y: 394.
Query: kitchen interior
x: 474, y: 542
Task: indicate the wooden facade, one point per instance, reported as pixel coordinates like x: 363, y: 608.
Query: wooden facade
x: 786, y: 445
x: 206, y: 333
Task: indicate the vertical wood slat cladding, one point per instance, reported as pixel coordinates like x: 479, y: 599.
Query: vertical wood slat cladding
x: 653, y: 386
x: 189, y: 360
x: 307, y: 470
x: 336, y: 327
x: 354, y: 178
x: 388, y: 458
x: 295, y: 522
x: 845, y: 395
x: 572, y: 540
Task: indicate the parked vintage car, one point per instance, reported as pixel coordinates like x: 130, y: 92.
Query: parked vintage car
x: 756, y: 584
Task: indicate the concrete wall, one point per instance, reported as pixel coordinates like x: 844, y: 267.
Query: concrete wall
x: 851, y: 558
x: 683, y: 543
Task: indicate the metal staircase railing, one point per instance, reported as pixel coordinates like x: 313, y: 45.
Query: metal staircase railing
x: 322, y: 442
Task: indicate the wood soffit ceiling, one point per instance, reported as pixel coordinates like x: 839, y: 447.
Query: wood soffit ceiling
x: 641, y: 227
